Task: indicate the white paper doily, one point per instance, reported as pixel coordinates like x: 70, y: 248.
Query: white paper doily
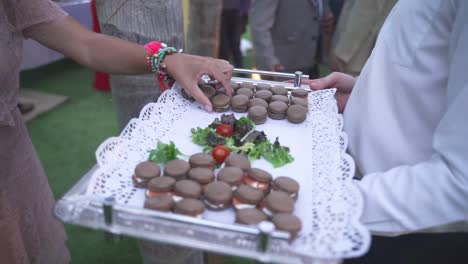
x: 329, y: 204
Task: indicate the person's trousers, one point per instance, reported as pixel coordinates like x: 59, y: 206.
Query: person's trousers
x: 230, y: 37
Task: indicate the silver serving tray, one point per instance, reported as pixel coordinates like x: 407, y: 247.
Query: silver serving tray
x: 238, y: 240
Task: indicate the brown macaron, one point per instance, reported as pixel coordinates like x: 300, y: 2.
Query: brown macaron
x: 221, y: 103
x: 202, y: 160
x: 144, y: 172
x: 185, y: 95
x: 264, y: 94
x: 250, y: 216
x: 220, y: 91
x: 263, y: 86
x: 258, y: 114
x: 299, y: 101
x: 160, y: 186
x: 278, y: 202
x: 300, y: 93
x: 258, y: 179
x: 287, y: 222
x: 201, y: 175
x: 258, y: 101
x: 187, y: 189
x: 190, y: 207
x: 177, y: 169
x: 287, y: 185
x: 279, y: 90
x: 237, y: 160
x: 277, y: 110
x: 246, y: 197
x: 235, y: 85
x: 240, y: 103
x: 162, y: 203
x: 296, y: 114
x: 208, y: 90
x: 232, y: 176
x: 281, y: 98
x: 217, y: 195
x: 248, y: 85
x: 245, y: 91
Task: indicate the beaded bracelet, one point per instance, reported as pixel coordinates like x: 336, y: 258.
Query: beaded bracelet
x: 157, y: 52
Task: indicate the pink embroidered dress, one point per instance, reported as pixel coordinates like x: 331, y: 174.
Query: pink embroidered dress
x: 29, y: 233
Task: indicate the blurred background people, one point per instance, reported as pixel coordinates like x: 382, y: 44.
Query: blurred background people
x: 335, y: 8
x: 244, y: 13
x: 356, y: 33
x: 230, y: 36
x: 203, y: 27
x: 286, y: 34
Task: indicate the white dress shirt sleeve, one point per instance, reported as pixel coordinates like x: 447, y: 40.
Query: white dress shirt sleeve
x: 433, y: 192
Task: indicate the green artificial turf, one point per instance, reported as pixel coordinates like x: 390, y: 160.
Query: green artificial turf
x: 66, y: 139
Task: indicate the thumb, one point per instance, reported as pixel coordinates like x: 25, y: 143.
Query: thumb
x: 322, y: 83
x: 316, y: 84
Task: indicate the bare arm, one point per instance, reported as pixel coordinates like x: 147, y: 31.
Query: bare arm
x: 112, y: 55
x: 97, y: 51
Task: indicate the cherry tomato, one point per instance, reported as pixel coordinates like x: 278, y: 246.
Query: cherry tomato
x: 224, y: 130
x: 220, y: 153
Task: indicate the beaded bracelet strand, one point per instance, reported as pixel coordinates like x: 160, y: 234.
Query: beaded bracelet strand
x: 157, y: 52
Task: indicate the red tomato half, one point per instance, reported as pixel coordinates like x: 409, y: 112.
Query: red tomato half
x: 224, y: 130
x: 220, y: 153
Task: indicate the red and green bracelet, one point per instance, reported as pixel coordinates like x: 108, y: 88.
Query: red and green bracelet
x: 157, y: 52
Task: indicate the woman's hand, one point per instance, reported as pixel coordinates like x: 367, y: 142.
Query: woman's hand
x: 344, y: 84
x: 188, y: 69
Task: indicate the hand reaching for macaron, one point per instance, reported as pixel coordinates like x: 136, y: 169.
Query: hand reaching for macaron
x: 188, y: 69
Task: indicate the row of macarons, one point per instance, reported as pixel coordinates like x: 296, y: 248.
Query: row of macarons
x: 260, y: 90
x: 200, y: 168
x: 188, y: 187
x: 284, y: 220
x: 261, y: 102
x: 257, y: 94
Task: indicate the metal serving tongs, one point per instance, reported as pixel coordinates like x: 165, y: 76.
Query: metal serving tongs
x: 297, y: 76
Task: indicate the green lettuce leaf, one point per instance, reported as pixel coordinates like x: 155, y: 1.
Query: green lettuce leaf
x: 200, y: 135
x: 276, y: 154
x: 244, y: 149
x: 164, y: 152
